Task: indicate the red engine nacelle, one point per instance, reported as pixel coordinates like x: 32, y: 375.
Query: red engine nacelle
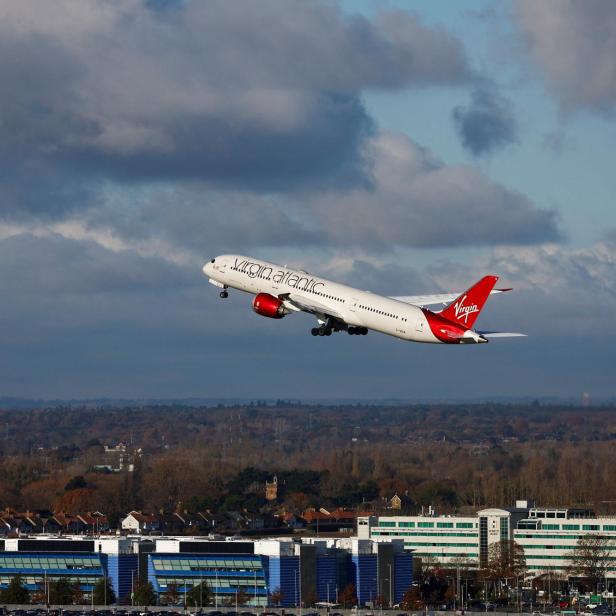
x: 268, y: 306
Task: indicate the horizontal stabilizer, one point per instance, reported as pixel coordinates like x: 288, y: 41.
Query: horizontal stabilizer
x: 501, y: 335
x: 432, y: 300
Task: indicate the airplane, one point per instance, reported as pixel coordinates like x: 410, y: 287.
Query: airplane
x: 280, y: 291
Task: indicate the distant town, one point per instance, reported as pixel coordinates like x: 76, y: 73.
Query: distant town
x: 303, y: 506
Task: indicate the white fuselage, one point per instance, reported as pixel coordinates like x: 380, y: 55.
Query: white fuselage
x: 353, y: 306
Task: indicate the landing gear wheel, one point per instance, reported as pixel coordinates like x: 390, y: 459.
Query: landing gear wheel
x: 352, y: 331
x: 314, y: 331
x: 328, y: 332
x: 321, y: 331
x: 363, y: 331
x: 224, y: 294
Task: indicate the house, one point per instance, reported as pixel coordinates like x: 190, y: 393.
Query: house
x: 138, y: 522
x: 193, y: 523
x: 332, y: 521
x: 94, y: 523
x: 27, y: 523
x: 290, y: 520
x: 69, y: 524
x: 212, y: 521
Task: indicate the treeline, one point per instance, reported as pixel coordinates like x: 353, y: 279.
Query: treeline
x: 451, y: 457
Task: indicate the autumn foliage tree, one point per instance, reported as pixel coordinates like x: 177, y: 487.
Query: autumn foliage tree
x: 412, y: 600
x: 347, y: 597
x: 276, y: 596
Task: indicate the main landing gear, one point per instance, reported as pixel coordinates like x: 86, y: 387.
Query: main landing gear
x: 326, y: 330
x: 357, y: 331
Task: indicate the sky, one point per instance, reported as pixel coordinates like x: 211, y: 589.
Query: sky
x: 403, y: 147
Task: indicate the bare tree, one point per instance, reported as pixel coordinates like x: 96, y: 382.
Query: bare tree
x: 506, y: 564
x: 592, y: 558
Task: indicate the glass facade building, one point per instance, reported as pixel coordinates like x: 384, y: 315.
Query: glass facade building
x: 226, y: 575
x: 38, y: 570
x: 285, y: 572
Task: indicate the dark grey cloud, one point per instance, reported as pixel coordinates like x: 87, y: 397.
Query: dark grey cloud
x: 265, y: 95
x: 416, y: 200
x: 218, y: 120
x: 574, y: 46
x: 55, y: 264
x: 412, y: 200
x: 487, y: 124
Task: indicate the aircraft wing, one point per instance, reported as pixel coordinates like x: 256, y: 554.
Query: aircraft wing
x: 431, y: 300
x: 308, y: 304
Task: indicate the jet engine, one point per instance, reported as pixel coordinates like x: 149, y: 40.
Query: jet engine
x: 269, y: 306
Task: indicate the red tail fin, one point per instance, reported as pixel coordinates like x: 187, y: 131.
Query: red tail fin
x: 465, y: 309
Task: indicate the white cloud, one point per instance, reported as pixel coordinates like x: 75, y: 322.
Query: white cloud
x: 574, y: 45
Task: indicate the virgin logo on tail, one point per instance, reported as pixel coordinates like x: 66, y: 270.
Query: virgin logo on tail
x: 462, y: 312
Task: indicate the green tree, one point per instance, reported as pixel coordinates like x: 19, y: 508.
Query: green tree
x: 199, y: 595
x: 103, y: 592
x: 61, y: 591
x: 144, y: 594
x: 15, y: 593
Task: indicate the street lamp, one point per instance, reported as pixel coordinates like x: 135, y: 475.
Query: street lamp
x: 216, y: 590
x: 390, y: 586
x: 372, y: 588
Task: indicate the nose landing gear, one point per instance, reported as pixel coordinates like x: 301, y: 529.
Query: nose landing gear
x: 224, y: 293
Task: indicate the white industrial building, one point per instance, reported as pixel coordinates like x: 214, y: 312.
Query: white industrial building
x: 547, y: 536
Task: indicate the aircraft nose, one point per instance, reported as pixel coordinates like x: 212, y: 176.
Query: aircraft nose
x: 207, y: 268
